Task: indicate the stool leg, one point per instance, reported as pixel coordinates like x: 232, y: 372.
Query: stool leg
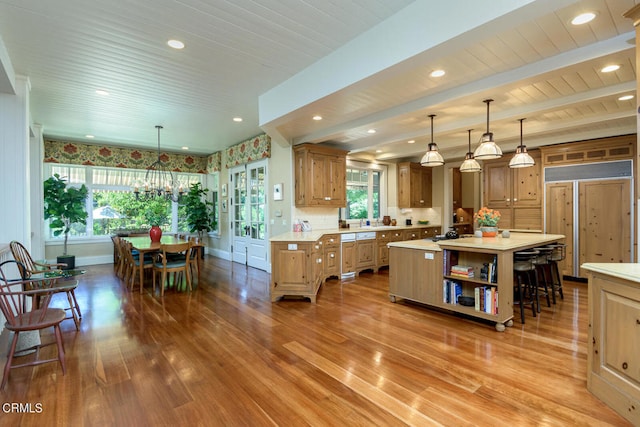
x: 520, y: 296
x: 556, y: 271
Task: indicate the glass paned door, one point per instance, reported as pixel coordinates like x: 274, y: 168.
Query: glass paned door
x: 249, y: 204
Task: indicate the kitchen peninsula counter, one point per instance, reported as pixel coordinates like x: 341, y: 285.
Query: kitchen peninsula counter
x: 421, y: 271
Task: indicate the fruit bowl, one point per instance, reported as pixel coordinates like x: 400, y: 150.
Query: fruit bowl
x: 423, y: 222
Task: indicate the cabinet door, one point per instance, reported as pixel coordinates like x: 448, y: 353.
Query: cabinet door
x: 604, y: 221
x: 425, y: 187
x: 527, y: 187
x: 497, y: 185
x: 349, y: 257
x: 417, y: 198
x: 404, y: 187
x: 365, y: 253
x: 318, y: 179
x: 337, y: 181
x: 456, y: 188
x: 290, y: 268
x: 331, y: 262
x: 559, y: 219
x: 383, y: 255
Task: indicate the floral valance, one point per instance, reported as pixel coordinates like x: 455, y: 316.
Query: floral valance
x: 248, y: 151
x: 119, y: 157
x: 214, y: 162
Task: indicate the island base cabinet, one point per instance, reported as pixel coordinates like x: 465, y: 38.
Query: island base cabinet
x: 415, y: 275
x: 613, y: 373
x: 427, y: 277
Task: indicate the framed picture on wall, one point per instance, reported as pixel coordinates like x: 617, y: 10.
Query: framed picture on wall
x: 224, y: 205
x: 224, y: 190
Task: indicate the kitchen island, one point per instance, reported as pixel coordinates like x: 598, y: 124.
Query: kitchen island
x: 421, y: 271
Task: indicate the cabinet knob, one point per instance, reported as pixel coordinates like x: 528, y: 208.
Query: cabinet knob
x: 508, y: 200
x: 515, y: 200
x: 332, y: 255
x: 421, y: 201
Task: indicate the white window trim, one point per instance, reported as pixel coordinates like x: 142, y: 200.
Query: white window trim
x: 384, y: 170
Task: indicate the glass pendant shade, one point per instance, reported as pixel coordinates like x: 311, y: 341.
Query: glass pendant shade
x: 432, y: 157
x: 521, y: 159
x: 470, y: 164
x: 487, y: 149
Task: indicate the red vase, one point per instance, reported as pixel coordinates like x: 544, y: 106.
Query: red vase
x: 155, y: 233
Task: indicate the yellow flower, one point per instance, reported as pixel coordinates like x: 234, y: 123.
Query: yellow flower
x: 487, y: 217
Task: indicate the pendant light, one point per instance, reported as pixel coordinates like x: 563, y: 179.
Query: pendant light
x: 521, y: 159
x: 432, y: 157
x: 487, y: 148
x: 470, y: 164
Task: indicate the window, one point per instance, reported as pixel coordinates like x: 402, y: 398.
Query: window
x: 366, y: 194
x: 111, y: 204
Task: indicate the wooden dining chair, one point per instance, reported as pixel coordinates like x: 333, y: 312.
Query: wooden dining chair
x: 135, y: 265
x: 173, y: 258
x: 17, y: 304
x: 31, y: 267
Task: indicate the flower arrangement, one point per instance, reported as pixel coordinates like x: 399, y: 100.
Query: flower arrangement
x: 487, y: 217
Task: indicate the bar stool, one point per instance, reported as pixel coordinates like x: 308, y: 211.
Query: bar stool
x: 558, y: 253
x: 525, y: 281
x: 543, y: 269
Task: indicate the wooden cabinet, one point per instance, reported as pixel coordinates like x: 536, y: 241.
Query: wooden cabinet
x: 366, y: 255
x: 348, y: 257
x: 414, y: 185
x: 516, y: 193
x: 331, y: 255
x: 320, y: 176
x: 296, y: 269
x: 382, y: 239
x: 429, y: 232
x: 613, y: 365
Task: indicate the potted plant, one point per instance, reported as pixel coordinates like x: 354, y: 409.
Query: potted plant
x: 200, y: 213
x: 64, y: 206
x: 156, y: 215
x: 487, y: 221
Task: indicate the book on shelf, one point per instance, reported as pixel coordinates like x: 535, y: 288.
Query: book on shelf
x: 486, y: 299
x: 450, y: 291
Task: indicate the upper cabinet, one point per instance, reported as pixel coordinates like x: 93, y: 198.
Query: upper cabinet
x: 516, y: 193
x: 414, y: 185
x: 320, y: 176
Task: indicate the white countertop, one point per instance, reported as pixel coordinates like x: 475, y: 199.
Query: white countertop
x: 627, y: 271
x: 312, y: 236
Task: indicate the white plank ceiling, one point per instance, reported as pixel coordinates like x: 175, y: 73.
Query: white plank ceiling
x: 530, y: 60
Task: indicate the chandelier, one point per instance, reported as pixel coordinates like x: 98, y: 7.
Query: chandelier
x: 159, y: 181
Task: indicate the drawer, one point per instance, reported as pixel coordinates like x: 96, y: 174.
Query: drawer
x: 331, y: 240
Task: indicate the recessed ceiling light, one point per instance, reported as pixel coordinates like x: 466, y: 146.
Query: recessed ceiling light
x: 437, y: 73
x: 610, y: 68
x: 316, y: 117
x: 185, y: 148
x: 371, y: 131
x: 625, y: 98
x: 583, y: 18
x: 378, y: 151
x: 176, y: 44
x: 102, y: 92
x: 89, y: 136
x: 237, y: 119
x: 411, y: 141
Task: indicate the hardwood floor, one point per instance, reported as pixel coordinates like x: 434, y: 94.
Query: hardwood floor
x: 225, y: 355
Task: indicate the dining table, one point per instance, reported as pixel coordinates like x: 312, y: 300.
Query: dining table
x: 143, y: 245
